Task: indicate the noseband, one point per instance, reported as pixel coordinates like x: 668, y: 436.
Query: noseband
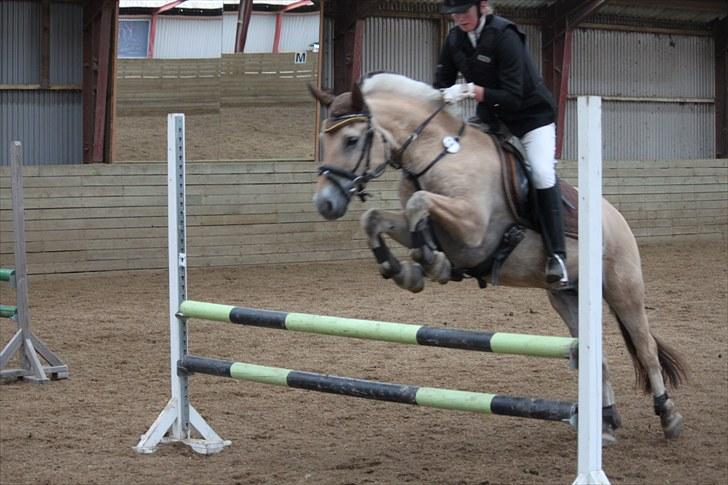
x: 351, y: 183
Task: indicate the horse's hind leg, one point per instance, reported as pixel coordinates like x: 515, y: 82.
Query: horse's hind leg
x: 566, y: 304
x: 376, y: 222
x: 653, y: 361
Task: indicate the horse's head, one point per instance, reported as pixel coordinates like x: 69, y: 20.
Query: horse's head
x: 346, y: 137
x: 371, y: 128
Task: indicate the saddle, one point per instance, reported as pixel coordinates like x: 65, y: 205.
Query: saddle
x: 520, y: 192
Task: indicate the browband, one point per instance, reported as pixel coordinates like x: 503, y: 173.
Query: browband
x: 333, y: 124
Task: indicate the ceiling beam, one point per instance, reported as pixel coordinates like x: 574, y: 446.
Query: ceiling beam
x: 717, y: 6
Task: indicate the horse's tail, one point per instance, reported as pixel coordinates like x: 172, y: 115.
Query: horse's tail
x: 674, y: 368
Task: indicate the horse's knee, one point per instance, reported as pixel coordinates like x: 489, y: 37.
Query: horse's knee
x: 370, y: 221
x: 417, y: 209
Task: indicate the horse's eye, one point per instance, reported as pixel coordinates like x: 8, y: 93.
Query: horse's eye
x: 351, y: 141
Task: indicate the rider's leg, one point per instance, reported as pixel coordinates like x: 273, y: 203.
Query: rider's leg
x: 540, y: 148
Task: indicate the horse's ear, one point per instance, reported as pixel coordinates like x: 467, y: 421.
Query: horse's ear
x: 322, y: 96
x: 357, y: 99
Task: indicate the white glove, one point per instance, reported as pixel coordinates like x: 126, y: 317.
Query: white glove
x: 458, y: 92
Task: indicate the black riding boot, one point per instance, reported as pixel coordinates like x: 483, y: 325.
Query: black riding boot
x: 552, y: 231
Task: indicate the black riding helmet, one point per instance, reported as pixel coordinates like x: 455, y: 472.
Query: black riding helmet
x: 458, y: 6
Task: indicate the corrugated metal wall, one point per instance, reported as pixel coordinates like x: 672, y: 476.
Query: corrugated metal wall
x: 19, y: 42
x: 676, y: 69
x: 613, y: 63
x: 298, y: 31
x: 401, y: 45
x: 638, y: 68
x: 188, y: 38
x: 66, y: 43
x: 48, y: 122
x: 261, y: 32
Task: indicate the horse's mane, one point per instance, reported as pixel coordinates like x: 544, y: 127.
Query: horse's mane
x: 400, y: 85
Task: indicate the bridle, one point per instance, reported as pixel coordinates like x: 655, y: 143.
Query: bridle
x: 351, y: 182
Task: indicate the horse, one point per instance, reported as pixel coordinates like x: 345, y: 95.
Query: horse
x: 456, y: 216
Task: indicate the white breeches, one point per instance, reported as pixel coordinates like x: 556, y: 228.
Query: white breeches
x: 540, y: 147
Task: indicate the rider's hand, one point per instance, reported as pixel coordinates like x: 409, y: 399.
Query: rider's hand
x: 458, y: 92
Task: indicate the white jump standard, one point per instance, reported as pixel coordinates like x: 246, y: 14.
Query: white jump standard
x: 180, y: 422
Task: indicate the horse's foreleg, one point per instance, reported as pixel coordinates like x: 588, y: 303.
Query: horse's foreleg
x: 456, y: 217
x: 566, y: 304
x: 376, y: 222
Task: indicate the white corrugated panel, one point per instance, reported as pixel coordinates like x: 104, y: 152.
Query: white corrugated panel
x: 642, y: 64
x: 401, y: 45
x: 649, y: 131
x: 19, y: 42
x: 188, y: 38
x: 299, y: 31
x: 229, y: 29
x: 261, y: 33
x: 66, y: 43
x: 48, y: 123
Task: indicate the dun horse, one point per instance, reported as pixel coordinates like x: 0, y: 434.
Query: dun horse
x: 458, y: 219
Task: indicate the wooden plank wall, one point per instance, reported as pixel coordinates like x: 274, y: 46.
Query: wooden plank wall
x: 152, y: 86
x: 266, y: 78
x: 113, y: 217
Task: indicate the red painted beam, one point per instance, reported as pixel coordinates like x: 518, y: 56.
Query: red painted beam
x: 295, y: 5
x: 277, y: 35
x: 153, y: 24
x: 563, y: 90
x: 560, y: 20
x: 357, y: 54
x: 102, y: 80
x: 279, y: 21
x: 245, y: 11
x: 720, y: 38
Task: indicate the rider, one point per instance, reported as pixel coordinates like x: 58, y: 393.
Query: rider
x: 491, y: 54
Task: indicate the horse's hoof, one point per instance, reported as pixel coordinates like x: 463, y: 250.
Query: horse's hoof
x: 410, y: 277
x: 609, y: 435
x: 386, y: 270
x: 439, y: 270
x: 672, y: 425
x: 608, y: 439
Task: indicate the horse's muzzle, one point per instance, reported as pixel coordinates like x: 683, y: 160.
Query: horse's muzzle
x: 331, y: 201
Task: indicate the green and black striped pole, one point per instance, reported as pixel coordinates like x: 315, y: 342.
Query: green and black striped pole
x: 432, y: 397
x: 7, y: 274
x: 499, y: 342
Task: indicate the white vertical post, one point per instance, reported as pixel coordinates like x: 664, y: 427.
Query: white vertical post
x: 178, y: 419
x: 589, y: 469
x: 177, y: 254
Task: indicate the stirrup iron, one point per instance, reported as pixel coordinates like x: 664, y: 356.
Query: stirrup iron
x: 553, y: 279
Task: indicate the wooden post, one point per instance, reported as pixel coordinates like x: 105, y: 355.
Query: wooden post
x: 28, y: 345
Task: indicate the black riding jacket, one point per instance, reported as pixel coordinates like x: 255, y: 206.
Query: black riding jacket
x: 515, y: 93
